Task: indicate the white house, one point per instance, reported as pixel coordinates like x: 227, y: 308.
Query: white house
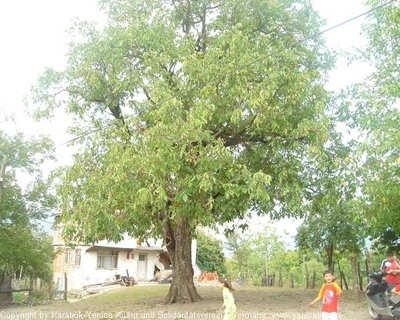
x: 105, y: 261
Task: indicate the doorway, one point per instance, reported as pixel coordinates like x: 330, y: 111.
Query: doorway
x: 142, y: 267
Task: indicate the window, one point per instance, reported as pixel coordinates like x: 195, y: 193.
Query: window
x: 67, y: 256
x: 142, y: 257
x: 72, y: 257
x: 77, y: 257
x: 107, y: 259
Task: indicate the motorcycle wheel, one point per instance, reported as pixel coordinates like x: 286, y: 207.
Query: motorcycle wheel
x: 372, y: 313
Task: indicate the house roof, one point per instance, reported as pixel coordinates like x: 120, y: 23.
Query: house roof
x: 147, y: 248
x: 113, y: 248
x: 96, y: 248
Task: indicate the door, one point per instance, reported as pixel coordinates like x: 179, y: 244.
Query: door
x: 142, y: 267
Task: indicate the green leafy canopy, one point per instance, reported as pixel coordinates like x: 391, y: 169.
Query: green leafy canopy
x: 198, y: 109
x: 23, y: 244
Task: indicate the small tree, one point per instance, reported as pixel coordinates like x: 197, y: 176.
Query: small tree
x: 210, y: 256
x: 332, y: 224
x: 240, y: 249
x: 256, y: 252
x: 22, y: 243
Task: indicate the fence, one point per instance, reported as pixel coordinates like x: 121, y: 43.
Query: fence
x: 272, y: 279
x: 44, y: 294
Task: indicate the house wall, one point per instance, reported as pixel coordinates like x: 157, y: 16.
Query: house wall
x: 92, y: 275
x: 75, y: 274
x: 130, y: 251
x: 88, y: 273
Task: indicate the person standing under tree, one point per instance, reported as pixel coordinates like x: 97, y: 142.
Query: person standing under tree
x: 329, y: 294
x: 229, y: 300
x: 390, y: 266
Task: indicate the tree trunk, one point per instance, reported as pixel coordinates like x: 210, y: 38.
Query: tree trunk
x: 306, y: 276
x: 280, y: 281
x: 329, y: 253
x: 314, y: 279
x: 368, y: 268
x: 179, y: 245
x: 5, y: 284
x: 360, y: 277
x: 340, y: 274
x: 354, y: 271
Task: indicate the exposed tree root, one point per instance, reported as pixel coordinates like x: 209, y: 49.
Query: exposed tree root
x: 182, y: 294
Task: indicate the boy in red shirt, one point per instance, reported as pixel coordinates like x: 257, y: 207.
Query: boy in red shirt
x: 329, y: 293
x: 391, y: 267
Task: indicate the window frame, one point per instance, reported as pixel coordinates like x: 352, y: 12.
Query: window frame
x: 78, y: 257
x: 107, y: 260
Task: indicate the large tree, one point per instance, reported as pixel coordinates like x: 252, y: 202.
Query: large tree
x: 24, y: 202
x: 199, y: 111
x: 373, y: 108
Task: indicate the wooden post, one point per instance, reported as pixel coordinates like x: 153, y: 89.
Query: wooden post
x: 38, y: 284
x: 306, y: 276
x: 51, y: 289
x: 291, y: 280
x: 30, y: 288
x: 314, y: 279
x: 65, y: 287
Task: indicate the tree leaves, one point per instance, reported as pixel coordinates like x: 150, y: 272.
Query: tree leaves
x: 214, y: 107
x: 374, y: 111
x: 23, y: 202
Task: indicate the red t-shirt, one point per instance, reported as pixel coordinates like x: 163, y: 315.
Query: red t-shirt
x: 387, y: 266
x: 329, y: 294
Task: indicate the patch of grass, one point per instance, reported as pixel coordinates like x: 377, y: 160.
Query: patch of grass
x: 128, y: 294
x: 19, y: 296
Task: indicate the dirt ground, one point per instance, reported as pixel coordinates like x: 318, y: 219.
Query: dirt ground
x: 252, y: 303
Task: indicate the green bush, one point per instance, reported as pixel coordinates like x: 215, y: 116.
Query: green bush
x: 19, y: 296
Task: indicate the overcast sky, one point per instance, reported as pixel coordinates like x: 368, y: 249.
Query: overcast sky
x: 32, y: 35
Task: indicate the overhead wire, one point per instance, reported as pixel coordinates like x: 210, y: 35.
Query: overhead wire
x: 314, y: 36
